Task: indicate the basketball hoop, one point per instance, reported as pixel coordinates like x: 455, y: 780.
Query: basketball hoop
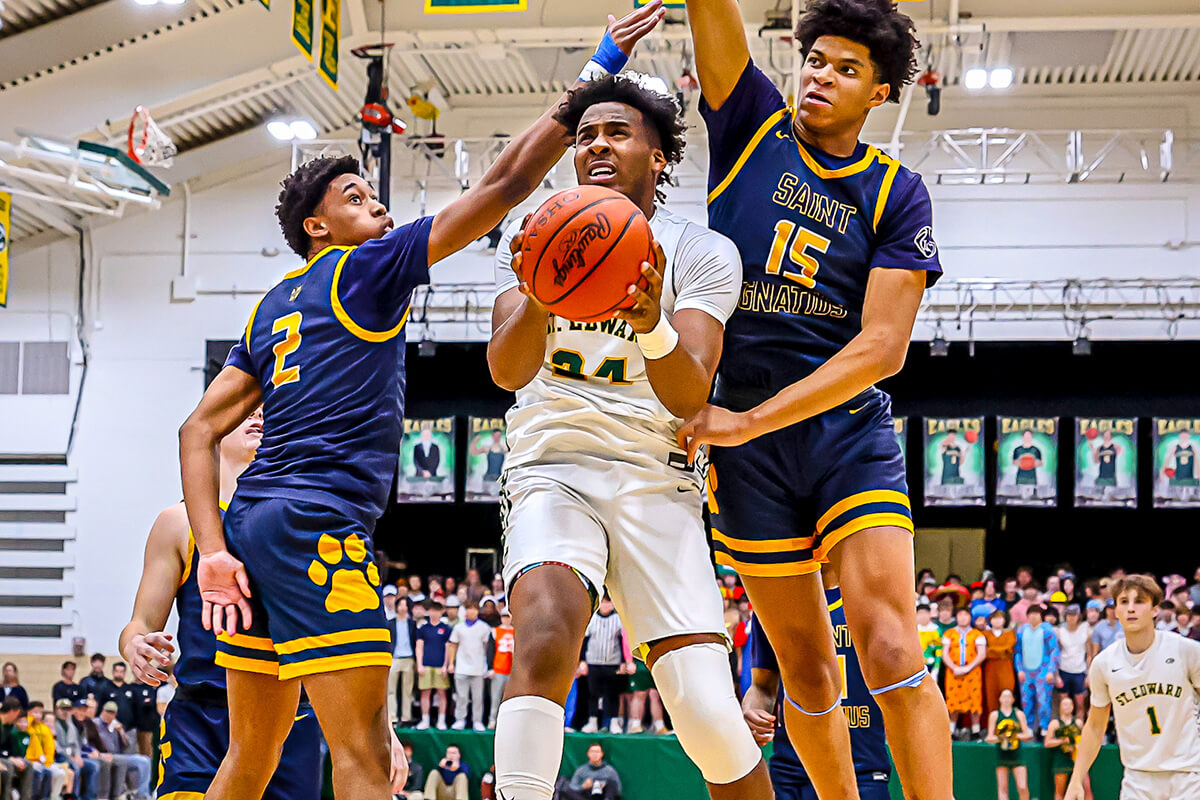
x: 148, y: 145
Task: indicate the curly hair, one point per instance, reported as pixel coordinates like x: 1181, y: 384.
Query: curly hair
x: 303, y: 191
x: 660, y: 111
x: 877, y: 24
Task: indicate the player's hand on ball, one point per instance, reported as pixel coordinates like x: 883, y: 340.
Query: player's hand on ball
x: 224, y: 587
x: 514, y: 247
x: 399, y: 772
x: 629, y: 29
x: 713, y: 425
x: 647, y: 303
x: 762, y: 725
x: 147, y: 653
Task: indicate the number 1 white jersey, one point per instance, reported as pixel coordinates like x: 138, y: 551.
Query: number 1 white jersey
x: 591, y: 395
x: 1155, y: 701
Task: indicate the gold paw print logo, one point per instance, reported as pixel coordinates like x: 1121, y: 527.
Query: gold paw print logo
x: 352, y: 588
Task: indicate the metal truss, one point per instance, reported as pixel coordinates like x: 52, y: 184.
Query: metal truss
x: 1074, y: 302
x: 1008, y: 155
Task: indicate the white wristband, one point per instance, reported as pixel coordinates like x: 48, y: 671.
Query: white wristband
x: 592, y: 70
x: 660, y: 341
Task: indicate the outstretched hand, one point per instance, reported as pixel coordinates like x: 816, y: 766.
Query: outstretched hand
x: 627, y: 31
x: 713, y: 425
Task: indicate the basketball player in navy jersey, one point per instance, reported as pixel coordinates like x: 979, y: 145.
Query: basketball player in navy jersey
x: 763, y: 710
x: 195, y: 727
x: 837, y: 248
x: 288, y: 580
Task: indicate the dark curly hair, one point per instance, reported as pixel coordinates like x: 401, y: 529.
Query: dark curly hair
x: 302, y: 193
x: 877, y: 24
x: 659, y: 110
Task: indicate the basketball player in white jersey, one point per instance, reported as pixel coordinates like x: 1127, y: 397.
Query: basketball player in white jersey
x: 595, y: 491
x: 1151, y: 682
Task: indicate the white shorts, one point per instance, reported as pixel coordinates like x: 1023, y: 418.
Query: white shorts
x: 633, y: 526
x: 1140, y: 785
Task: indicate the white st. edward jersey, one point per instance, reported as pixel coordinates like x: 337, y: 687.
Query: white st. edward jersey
x: 592, y: 395
x: 1155, y: 697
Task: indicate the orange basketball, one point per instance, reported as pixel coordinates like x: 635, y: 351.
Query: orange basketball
x: 1091, y: 433
x: 1027, y: 462
x: 971, y: 436
x: 583, y: 248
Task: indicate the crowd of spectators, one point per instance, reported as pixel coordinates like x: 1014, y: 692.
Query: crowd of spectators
x: 96, y: 744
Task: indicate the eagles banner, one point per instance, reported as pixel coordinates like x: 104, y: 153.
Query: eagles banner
x: 302, y: 26
x: 954, y: 465
x: 1105, y: 463
x: 486, y: 450
x: 1027, y: 461
x: 5, y: 227
x: 900, y: 424
x: 331, y: 36
x: 1176, y: 484
x: 427, y: 461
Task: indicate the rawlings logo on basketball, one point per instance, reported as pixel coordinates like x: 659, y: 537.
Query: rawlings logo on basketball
x: 575, y: 244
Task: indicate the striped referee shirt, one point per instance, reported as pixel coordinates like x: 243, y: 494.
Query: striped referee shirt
x: 604, y: 640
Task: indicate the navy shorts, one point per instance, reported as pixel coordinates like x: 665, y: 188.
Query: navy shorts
x: 314, y: 586
x: 195, y: 736
x: 779, y: 503
x: 868, y: 789
x: 1073, y: 682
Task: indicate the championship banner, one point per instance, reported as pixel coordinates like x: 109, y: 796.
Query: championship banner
x: 472, y: 6
x: 900, y: 424
x: 427, y: 461
x: 331, y: 35
x: 1027, y: 461
x: 954, y: 466
x: 1175, y: 451
x: 5, y: 227
x: 302, y: 27
x: 1105, y: 463
x: 486, y: 450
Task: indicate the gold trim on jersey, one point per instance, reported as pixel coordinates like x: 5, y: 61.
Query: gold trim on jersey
x: 885, y: 189
x: 250, y: 322
x: 343, y: 317
x: 786, y: 570
x: 296, y: 273
x: 770, y: 123
x: 316, y: 666
x: 241, y: 664
x: 332, y: 639
x: 248, y: 642
x: 191, y: 546
x: 862, y: 499
x: 763, y: 545
x: 882, y: 520
x: 842, y: 172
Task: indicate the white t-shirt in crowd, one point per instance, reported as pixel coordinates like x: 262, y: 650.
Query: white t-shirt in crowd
x: 1154, y: 699
x: 1074, y: 648
x: 472, y: 640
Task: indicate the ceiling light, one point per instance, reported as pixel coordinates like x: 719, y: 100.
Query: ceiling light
x: 280, y: 130
x: 303, y: 130
x: 146, y: 2
x: 1001, y: 78
x: 975, y: 78
x: 173, y: 2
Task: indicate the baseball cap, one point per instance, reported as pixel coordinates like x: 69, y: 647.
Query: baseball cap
x: 452, y: 601
x: 1073, y: 609
x: 80, y: 702
x: 110, y: 706
x: 63, y: 702
x: 1096, y: 604
x: 390, y: 590
x: 1109, y: 603
x: 1058, y: 597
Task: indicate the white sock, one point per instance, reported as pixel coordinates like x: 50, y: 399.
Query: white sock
x: 529, y: 745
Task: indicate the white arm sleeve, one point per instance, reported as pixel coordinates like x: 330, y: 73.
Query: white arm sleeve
x: 505, y: 277
x: 707, y: 273
x: 1098, y: 680
x: 1191, y: 656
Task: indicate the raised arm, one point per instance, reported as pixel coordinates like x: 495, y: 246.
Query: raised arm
x: 224, y: 585
x: 719, y: 37
x: 524, y: 163
x: 143, y: 643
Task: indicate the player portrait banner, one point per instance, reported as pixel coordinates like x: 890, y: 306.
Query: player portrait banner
x: 954, y: 465
x: 1027, y: 461
x: 472, y: 6
x: 427, y: 461
x: 5, y: 227
x: 331, y: 35
x: 1105, y: 462
x: 900, y: 424
x: 1176, y: 484
x: 487, y: 448
x: 303, y: 18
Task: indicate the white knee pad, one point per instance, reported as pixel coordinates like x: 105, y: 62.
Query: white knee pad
x: 697, y: 690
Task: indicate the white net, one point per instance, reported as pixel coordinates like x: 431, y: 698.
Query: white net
x: 148, y: 143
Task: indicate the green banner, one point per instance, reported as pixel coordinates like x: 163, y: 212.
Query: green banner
x: 954, y: 469
x: 486, y: 450
x: 1027, y: 461
x: 302, y: 26
x: 331, y: 36
x: 427, y: 461
x: 472, y: 6
x: 1176, y: 484
x: 900, y: 424
x: 5, y: 227
x: 1105, y: 463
